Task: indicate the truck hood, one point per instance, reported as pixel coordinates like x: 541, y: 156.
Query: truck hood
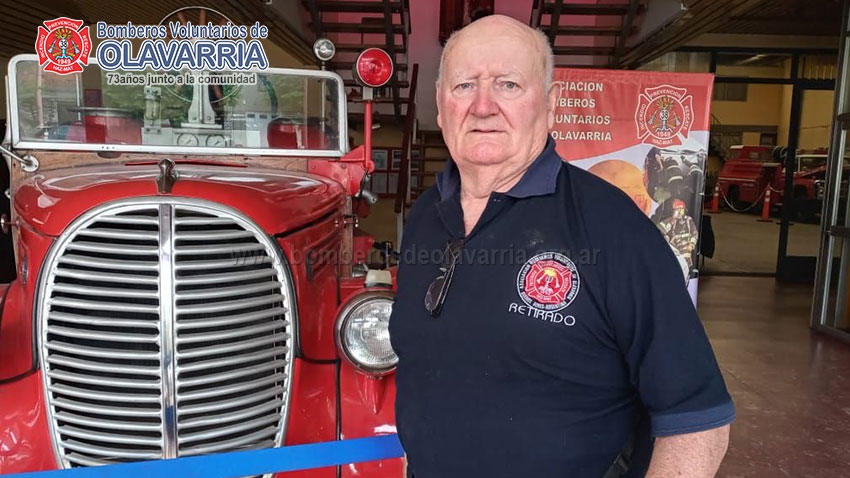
x: 814, y: 173
x: 276, y: 200
x: 819, y: 172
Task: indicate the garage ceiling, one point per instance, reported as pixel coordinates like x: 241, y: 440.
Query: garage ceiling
x: 788, y: 17
x: 770, y: 17
x: 766, y: 17
x: 595, y: 33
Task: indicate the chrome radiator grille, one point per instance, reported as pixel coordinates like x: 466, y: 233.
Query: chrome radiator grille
x: 165, y: 331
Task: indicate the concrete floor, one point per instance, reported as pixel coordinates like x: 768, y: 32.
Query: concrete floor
x: 744, y: 244
x: 791, y: 386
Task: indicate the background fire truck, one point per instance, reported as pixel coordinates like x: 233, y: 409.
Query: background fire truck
x: 750, y: 171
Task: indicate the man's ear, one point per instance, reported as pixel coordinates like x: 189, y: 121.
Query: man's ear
x: 437, y: 97
x: 554, y: 95
x: 552, y: 101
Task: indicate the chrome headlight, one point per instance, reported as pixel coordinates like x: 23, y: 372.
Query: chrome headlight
x: 362, y: 333
x: 820, y: 188
x: 324, y: 49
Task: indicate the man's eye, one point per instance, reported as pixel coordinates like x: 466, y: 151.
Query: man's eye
x: 511, y: 85
x: 464, y: 86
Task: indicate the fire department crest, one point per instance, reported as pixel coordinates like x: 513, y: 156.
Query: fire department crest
x: 548, y: 281
x: 664, y: 115
x: 63, y: 47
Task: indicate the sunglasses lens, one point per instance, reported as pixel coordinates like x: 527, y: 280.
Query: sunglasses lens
x: 432, y: 297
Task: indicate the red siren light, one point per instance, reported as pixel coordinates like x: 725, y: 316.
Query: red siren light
x: 373, y: 68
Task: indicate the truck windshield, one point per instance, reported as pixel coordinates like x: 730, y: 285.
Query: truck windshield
x: 275, y: 111
x: 807, y: 163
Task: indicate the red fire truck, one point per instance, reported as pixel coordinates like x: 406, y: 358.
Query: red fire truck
x: 750, y: 170
x: 188, y: 281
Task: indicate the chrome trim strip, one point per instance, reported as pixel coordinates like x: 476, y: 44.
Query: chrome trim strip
x: 197, y: 151
x: 7, y: 135
x: 168, y: 360
x: 727, y: 178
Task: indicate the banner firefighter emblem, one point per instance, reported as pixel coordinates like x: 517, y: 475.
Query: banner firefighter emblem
x: 664, y: 115
x: 63, y: 47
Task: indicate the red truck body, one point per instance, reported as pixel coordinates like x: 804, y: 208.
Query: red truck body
x: 185, y: 289
x: 750, y: 170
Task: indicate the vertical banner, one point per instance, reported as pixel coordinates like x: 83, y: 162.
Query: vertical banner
x: 647, y: 133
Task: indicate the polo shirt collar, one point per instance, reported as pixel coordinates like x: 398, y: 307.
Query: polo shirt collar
x: 539, y: 179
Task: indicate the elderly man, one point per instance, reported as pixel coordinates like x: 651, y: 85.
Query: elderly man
x: 555, y: 338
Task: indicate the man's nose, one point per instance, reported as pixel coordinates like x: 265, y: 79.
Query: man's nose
x: 484, y: 103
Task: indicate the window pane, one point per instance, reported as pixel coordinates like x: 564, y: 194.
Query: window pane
x: 730, y: 92
x: 818, y: 67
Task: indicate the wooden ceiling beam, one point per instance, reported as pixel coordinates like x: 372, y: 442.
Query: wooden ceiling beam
x: 587, y: 9
x: 360, y: 28
x: 11, y: 45
x: 583, y: 50
x: 784, y: 27
x: 580, y: 30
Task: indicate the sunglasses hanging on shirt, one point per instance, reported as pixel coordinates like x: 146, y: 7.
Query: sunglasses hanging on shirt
x: 436, y: 294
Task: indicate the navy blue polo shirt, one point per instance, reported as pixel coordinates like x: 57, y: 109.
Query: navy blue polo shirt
x: 567, y: 325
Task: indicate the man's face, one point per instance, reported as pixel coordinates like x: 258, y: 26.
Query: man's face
x: 491, y: 103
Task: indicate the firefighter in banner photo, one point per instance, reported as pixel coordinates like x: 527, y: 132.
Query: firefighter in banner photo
x: 674, y: 179
x: 680, y: 230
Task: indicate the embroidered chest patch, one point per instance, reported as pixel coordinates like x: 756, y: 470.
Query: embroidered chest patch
x: 548, y: 281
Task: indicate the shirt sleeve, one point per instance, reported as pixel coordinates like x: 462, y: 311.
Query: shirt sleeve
x: 669, y: 358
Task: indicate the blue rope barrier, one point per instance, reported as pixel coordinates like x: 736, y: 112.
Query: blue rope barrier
x: 243, y: 463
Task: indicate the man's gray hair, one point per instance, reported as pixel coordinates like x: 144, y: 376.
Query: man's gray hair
x: 542, y: 44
